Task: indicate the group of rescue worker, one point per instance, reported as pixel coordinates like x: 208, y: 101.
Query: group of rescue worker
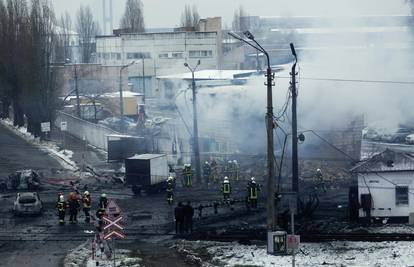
x: 73, y: 205
x: 212, y: 171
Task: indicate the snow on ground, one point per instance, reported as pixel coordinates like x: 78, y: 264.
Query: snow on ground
x: 81, y: 256
x: 339, y: 253
x: 64, y: 157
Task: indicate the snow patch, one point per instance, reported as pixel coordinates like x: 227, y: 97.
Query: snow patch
x: 340, y: 254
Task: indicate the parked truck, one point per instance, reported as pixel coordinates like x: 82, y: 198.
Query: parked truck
x: 147, y: 172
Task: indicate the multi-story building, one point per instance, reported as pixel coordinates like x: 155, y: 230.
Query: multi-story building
x: 161, y: 53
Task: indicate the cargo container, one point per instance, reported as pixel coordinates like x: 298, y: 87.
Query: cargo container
x: 147, y: 172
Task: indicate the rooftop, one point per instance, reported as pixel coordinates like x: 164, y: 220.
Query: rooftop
x: 387, y: 161
x: 211, y: 75
x: 147, y: 156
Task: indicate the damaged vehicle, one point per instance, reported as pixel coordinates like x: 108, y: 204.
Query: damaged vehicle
x: 21, y: 180
x: 27, y: 204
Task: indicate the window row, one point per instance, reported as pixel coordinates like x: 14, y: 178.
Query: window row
x: 165, y: 55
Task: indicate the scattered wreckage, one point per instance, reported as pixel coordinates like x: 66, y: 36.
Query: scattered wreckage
x: 21, y: 180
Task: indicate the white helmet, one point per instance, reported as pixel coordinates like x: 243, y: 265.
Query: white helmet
x: 206, y: 162
x: 86, y: 193
x: 318, y: 170
x: 229, y: 161
x: 170, y: 178
x: 253, y: 179
x: 235, y: 161
x: 226, y: 179
x: 61, y: 198
x: 103, y: 195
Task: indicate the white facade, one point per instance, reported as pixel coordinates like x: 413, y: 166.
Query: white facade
x: 164, y: 53
x: 391, y: 192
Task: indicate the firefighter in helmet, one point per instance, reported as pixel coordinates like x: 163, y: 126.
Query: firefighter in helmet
x: 188, y: 175
x: 206, y: 171
x: 87, y: 204
x: 103, y: 204
x: 61, y: 207
x: 252, y: 192
x: 170, y: 190
x: 226, y: 189
x: 74, y: 207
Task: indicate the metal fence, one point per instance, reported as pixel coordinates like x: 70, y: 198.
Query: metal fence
x: 94, y: 134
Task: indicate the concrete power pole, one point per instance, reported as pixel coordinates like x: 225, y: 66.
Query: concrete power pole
x: 196, y: 146
x: 295, y: 163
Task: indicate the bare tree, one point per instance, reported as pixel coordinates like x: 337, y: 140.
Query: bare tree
x: 64, y: 36
x: 133, y: 19
x: 87, y: 29
x: 189, y: 17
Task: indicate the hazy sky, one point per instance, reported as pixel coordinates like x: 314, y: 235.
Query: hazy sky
x: 166, y: 13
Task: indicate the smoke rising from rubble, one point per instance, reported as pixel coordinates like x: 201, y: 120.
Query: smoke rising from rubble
x: 322, y: 104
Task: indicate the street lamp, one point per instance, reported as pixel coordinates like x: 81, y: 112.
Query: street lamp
x: 271, y: 211
x: 195, y: 125
x: 121, y: 97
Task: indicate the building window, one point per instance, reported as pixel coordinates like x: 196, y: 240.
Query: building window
x: 163, y: 55
x: 177, y: 55
x: 401, y: 195
x: 105, y: 56
x: 138, y: 55
x: 200, y: 53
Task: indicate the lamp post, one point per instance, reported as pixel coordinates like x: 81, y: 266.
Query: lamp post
x: 121, y: 97
x: 271, y: 206
x: 195, y: 124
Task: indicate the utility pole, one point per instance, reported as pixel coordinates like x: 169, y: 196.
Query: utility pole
x: 195, y: 123
x: 271, y: 201
x: 121, y: 97
x: 143, y: 79
x: 78, y: 111
x: 295, y: 163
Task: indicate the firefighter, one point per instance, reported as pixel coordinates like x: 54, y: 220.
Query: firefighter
x: 236, y: 170
x: 207, y: 171
x: 61, y: 207
x: 103, y: 204
x: 320, y: 184
x: 74, y: 207
x: 87, y: 203
x: 226, y: 189
x: 188, y: 175
x: 170, y: 190
x: 252, y: 192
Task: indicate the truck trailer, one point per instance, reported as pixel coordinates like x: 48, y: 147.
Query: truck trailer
x: 147, y: 172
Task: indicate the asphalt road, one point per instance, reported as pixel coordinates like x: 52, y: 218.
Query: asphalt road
x: 17, y: 154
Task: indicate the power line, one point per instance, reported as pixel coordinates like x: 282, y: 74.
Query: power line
x: 352, y: 80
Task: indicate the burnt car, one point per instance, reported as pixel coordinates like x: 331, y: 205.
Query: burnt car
x: 27, y: 204
x: 21, y: 180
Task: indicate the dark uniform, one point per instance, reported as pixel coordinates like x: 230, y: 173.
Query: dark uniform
x: 74, y: 207
x: 179, y: 218
x: 252, y: 193
x: 206, y: 171
x: 226, y: 189
x: 61, y: 207
x: 103, y: 204
x: 188, y: 175
x: 87, y: 204
x: 170, y: 190
x: 188, y: 211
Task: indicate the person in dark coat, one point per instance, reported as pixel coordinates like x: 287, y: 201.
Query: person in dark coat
x: 188, y: 217
x: 74, y: 207
x: 179, y: 218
